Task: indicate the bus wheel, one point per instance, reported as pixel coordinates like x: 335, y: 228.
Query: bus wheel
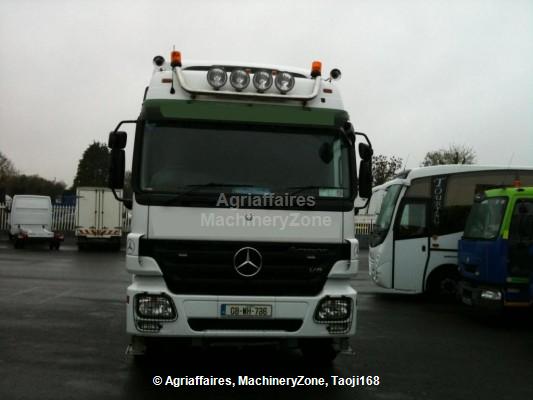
x: 444, y: 285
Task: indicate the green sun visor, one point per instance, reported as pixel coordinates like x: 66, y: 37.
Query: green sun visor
x: 158, y: 110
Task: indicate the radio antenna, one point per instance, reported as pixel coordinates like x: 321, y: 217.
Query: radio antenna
x: 405, y: 163
x: 503, y: 185
x: 510, y: 160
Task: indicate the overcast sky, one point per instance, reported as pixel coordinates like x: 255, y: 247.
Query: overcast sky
x: 416, y: 75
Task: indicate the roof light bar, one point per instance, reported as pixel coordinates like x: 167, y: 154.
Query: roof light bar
x: 217, y: 77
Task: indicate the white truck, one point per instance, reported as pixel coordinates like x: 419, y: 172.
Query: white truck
x: 99, y: 217
x: 244, y: 180
x: 30, y: 219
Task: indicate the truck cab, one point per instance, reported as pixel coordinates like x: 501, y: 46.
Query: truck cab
x: 244, y: 180
x: 496, y: 251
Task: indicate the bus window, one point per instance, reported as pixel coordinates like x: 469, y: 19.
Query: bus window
x: 384, y: 219
x: 460, y: 192
x: 413, y: 221
x: 419, y: 188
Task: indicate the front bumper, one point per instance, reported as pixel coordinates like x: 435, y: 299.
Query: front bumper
x: 198, y: 316
x: 481, y: 296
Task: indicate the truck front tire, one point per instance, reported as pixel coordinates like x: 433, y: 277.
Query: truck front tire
x: 319, y: 351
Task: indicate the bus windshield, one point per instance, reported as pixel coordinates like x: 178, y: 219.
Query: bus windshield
x: 485, y: 219
x: 384, y: 219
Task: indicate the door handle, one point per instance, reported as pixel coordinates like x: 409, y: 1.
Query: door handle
x: 423, y: 247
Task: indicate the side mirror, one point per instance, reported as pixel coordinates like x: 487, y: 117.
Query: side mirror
x: 365, y: 177
x: 117, y: 163
x: 117, y: 167
x: 117, y: 140
x: 365, y: 152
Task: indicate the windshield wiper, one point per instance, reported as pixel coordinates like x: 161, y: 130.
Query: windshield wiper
x: 195, y: 188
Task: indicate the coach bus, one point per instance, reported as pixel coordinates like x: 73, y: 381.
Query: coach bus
x: 413, y: 246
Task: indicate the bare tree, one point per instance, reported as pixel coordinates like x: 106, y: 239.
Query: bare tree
x: 454, y: 154
x: 6, y: 168
x: 385, y: 168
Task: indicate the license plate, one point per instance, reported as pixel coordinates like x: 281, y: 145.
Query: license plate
x: 246, y: 310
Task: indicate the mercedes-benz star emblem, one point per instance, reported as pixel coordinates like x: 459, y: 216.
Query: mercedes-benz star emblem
x: 247, y: 262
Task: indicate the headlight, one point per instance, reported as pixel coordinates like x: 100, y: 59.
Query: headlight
x: 262, y: 80
x: 284, y: 82
x: 217, y: 77
x: 154, y: 306
x: 491, y: 295
x: 332, y: 309
x: 239, y: 79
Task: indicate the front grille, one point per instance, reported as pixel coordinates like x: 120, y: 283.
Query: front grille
x: 207, y: 267
x: 215, y: 324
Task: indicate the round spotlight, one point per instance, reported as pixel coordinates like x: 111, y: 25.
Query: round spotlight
x: 262, y: 80
x: 159, y: 60
x: 239, y: 79
x: 284, y: 82
x: 217, y: 77
x: 335, y: 74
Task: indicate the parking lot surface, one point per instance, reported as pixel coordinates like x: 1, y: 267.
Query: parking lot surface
x: 62, y: 336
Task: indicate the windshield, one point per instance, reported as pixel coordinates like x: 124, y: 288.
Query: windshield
x: 485, y: 218
x: 383, y: 222
x: 192, y: 159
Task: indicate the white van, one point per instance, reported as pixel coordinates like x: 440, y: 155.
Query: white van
x: 31, y: 220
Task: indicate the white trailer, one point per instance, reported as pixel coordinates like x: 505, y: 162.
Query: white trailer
x: 98, y: 217
x: 31, y: 220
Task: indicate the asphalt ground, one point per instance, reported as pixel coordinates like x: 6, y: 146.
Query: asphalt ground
x: 62, y: 336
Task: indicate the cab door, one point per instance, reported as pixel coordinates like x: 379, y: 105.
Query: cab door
x: 411, y: 244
